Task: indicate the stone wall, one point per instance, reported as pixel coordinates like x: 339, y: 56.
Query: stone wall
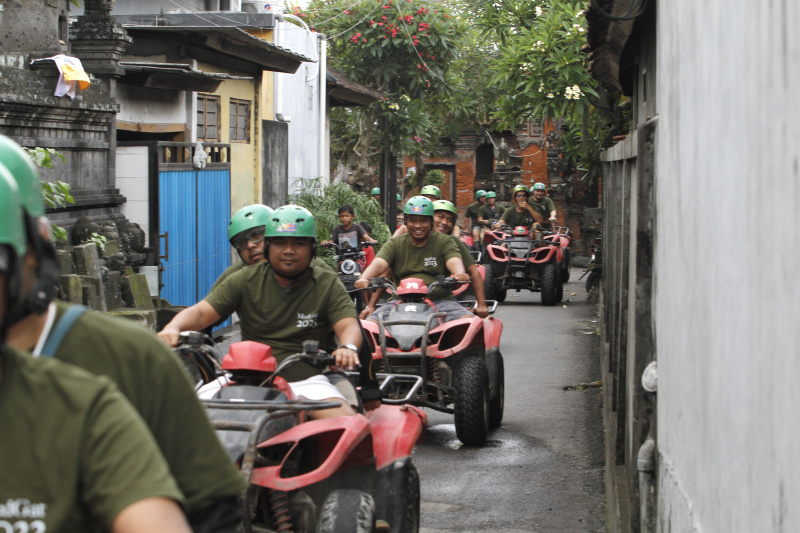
x: 107, y: 279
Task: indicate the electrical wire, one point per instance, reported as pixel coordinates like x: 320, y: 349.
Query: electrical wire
x: 641, y: 5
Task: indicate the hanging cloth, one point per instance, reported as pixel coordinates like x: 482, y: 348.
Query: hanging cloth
x: 71, y: 74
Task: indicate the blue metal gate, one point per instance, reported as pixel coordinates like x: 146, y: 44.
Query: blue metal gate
x: 194, y: 210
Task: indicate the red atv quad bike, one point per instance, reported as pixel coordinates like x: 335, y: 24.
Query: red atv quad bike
x: 519, y: 262
x: 459, y: 361
x: 562, y: 237
x: 337, y: 475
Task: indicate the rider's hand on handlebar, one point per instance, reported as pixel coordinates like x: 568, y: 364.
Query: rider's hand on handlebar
x: 345, y: 358
x: 362, y: 283
x: 461, y: 277
x: 169, y: 335
x: 481, y: 310
x: 368, y: 310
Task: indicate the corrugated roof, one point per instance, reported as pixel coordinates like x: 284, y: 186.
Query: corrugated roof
x: 345, y: 92
x: 174, y: 76
x: 229, y: 41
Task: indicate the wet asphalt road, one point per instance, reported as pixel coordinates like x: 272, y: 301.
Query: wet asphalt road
x: 542, y: 470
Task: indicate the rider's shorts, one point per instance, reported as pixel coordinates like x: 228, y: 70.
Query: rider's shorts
x: 313, y: 388
x: 453, y: 309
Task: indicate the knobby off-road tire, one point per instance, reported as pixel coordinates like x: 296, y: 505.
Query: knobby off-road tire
x: 347, y: 511
x: 488, y: 283
x: 397, y: 498
x: 550, y: 285
x: 472, y: 401
x: 500, y: 295
x: 566, y: 264
x: 560, y: 292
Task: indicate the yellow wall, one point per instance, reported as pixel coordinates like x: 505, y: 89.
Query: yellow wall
x: 245, y: 157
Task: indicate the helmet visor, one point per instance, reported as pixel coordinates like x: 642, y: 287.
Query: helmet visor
x: 254, y: 235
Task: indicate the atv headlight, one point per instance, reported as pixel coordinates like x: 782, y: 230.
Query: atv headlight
x: 348, y: 266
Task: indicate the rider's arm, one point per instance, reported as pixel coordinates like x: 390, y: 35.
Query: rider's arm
x: 537, y: 217
x: 347, y: 331
x: 477, y: 284
x: 151, y: 514
x: 456, y: 267
x: 400, y: 231
x: 457, y: 231
x: 194, y: 318
x: 378, y: 265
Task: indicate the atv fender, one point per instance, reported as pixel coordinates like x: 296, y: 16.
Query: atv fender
x: 492, y: 329
x: 472, y: 335
x: 341, y: 438
x: 395, y: 431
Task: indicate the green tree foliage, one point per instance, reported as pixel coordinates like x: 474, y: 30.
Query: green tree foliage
x: 324, y: 203
x: 55, y: 194
x: 540, y: 72
x: 406, y: 49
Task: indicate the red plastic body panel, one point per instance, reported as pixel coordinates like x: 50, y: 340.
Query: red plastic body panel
x: 395, y: 431
x: 354, y: 430
x: 412, y: 286
x: 249, y: 355
x: 492, y: 330
x: 542, y: 254
x: 466, y: 238
x: 462, y: 288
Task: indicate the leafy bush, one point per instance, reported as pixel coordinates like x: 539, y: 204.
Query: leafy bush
x: 324, y: 203
x: 55, y: 194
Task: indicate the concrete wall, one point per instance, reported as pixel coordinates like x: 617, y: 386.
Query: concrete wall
x: 727, y: 297
x: 150, y: 106
x: 297, y: 96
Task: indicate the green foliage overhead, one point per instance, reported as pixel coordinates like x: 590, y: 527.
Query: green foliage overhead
x: 540, y: 73
x: 324, y: 203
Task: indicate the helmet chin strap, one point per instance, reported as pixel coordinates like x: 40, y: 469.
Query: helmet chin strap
x: 45, y: 287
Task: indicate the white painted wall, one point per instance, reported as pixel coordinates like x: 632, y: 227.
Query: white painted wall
x: 297, y: 96
x: 727, y: 301
x: 132, y: 182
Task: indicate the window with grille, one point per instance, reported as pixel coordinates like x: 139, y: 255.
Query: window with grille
x: 207, y: 118
x: 240, y: 120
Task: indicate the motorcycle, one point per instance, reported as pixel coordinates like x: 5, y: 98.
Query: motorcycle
x: 459, y: 361
x: 350, y: 263
x: 339, y: 475
x: 520, y: 262
x: 594, y: 269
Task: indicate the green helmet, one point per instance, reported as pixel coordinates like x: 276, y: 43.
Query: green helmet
x: 291, y: 221
x: 419, y: 205
x: 444, y: 205
x: 247, y: 218
x: 374, y: 191
x: 491, y: 194
x: 520, y: 188
x: 12, y: 230
x: 539, y: 186
x: 25, y: 173
x: 399, y: 198
x: 480, y: 193
x: 433, y: 190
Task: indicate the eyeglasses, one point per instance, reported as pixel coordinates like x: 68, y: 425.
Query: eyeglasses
x: 255, y: 235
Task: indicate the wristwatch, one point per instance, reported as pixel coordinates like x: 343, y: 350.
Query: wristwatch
x: 349, y: 347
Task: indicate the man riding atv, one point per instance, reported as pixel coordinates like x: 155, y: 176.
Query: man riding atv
x: 285, y: 301
x: 444, y: 219
x: 421, y: 253
x: 434, y: 194
x: 473, y: 213
x: 543, y: 204
x: 74, y: 455
x: 523, y: 213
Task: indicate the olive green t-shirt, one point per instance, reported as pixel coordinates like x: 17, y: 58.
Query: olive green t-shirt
x: 154, y: 381
x: 486, y: 212
x: 472, y: 212
x: 236, y: 267
x: 73, y: 452
x: 425, y: 262
x: 514, y: 218
x: 545, y: 206
x: 283, y: 321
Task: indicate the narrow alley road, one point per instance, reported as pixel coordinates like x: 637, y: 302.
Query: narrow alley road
x: 542, y: 470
